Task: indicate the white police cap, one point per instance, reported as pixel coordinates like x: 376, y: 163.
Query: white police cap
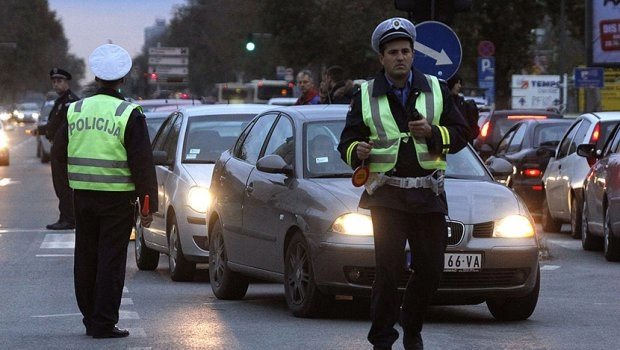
x: 109, y: 62
x: 390, y: 29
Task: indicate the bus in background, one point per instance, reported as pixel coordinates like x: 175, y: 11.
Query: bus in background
x: 263, y: 90
x: 232, y: 93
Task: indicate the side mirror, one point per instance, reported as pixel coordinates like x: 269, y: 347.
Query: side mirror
x: 588, y: 150
x: 499, y: 167
x: 274, y: 164
x: 161, y: 158
x: 485, y: 151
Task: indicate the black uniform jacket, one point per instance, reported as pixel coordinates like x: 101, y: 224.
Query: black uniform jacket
x: 58, y: 115
x: 419, y: 200
x: 139, y: 152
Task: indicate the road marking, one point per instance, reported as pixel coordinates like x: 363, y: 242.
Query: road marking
x: 58, y: 241
x: 572, y: 244
x: 549, y: 267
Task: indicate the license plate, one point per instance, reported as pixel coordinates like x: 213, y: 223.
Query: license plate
x: 462, y: 262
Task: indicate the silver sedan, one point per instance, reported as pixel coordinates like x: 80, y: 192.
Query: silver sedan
x: 284, y: 209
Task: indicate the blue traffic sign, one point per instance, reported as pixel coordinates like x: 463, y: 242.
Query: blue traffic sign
x: 589, y: 77
x: 438, y: 50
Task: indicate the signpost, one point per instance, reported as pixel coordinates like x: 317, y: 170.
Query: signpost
x: 438, y: 50
x: 589, y: 77
x: 169, y: 65
x: 535, y: 91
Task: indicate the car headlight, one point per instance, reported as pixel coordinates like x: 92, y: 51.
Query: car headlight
x: 199, y: 199
x: 35, y: 115
x: 354, y: 224
x: 513, y: 226
x: 4, y: 141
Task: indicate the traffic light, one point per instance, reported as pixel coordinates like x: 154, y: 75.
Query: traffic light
x: 433, y: 10
x: 249, y: 44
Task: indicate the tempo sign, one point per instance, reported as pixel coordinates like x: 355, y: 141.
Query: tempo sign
x: 536, y: 91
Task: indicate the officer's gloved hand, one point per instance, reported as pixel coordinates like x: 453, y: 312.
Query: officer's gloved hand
x: 146, y: 221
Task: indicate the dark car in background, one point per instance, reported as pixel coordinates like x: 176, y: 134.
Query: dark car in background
x: 498, y: 122
x: 600, y: 224
x: 528, y: 145
x: 565, y: 174
x: 44, y: 145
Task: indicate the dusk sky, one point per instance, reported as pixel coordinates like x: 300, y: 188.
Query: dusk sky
x: 88, y: 24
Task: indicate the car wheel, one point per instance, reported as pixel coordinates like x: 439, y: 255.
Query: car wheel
x: 588, y: 242
x: 549, y: 224
x: 303, y: 297
x: 147, y: 259
x: 181, y: 269
x: 515, y: 309
x: 225, y: 283
x: 575, y: 218
x: 611, y: 246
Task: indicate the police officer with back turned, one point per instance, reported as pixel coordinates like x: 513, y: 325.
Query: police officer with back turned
x: 110, y: 163
x: 401, y: 125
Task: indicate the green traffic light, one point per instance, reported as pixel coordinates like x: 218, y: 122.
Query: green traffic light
x: 250, y: 46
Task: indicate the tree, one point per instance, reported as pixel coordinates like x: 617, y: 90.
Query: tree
x: 40, y: 45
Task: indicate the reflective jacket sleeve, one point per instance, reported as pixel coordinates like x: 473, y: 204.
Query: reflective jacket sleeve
x: 354, y: 131
x: 453, y: 131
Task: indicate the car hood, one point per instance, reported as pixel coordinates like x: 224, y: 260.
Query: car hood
x: 472, y: 201
x: 341, y: 190
x: 200, y: 173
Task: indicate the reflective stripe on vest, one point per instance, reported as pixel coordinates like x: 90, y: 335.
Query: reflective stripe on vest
x: 386, y: 135
x: 97, y: 159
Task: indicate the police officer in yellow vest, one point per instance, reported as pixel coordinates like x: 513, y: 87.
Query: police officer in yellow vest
x: 401, y: 125
x: 110, y: 164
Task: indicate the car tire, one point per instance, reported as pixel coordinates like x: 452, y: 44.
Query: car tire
x: 575, y: 218
x: 303, y: 296
x: 147, y: 259
x: 588, y: 242
x: 225, y: 283
x: 611, y: 246
x: 181, y: 270
x: 515, y: 309
x: 549, y: 224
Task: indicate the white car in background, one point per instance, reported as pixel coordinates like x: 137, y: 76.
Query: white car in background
x: 185, y: 149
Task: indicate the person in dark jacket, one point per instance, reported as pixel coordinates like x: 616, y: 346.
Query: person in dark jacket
x: 57, y: 119
x: 339, y: 90
x: 110, y: 165
x: 468, y: 108
x: 400, y: 126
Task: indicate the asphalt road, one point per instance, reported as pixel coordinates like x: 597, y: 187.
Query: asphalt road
x: 578, y: 305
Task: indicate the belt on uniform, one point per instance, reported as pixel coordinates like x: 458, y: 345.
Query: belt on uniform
x: 410, y: 182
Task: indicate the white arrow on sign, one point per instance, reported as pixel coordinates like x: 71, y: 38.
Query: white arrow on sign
x: 441, y: 58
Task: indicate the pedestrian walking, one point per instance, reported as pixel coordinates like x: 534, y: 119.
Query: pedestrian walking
x: 58, y: 119
x: 400, y: 126
x: 309, y: 92
x: 110, y: 164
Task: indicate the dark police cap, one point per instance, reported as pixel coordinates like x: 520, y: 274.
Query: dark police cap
x: 391, y: 29
x: 59, y: 73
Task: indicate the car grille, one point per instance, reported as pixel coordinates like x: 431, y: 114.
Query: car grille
x: 456, y: 232
x: 484, y: 230
x: 451, y: 280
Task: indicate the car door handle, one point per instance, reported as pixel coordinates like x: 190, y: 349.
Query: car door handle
x: 222, y: 179
x: 250, y: 187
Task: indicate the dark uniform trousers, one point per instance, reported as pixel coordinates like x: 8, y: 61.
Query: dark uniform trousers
x: 60, y: 180
x: 103, y: 225
x: 427, y: 235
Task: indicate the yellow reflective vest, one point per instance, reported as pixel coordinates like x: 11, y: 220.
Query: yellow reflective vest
x: 386, y: 135
x: 96, y: 155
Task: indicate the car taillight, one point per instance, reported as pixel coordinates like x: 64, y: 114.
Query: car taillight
x: 595, y: 134
x: 484, y: 131
x: 532, y: 172
x: 526, y: 117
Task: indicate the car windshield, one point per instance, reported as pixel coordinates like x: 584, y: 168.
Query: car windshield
x: 549, y: 134
x: 208, y: 136
x: 322, y: 157
x: 29, y: 106
x: 323, y: 160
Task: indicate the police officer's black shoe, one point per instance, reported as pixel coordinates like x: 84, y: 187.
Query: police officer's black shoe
x: 60, y: 225
x: 114, y: 333
x: 413, y: 342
